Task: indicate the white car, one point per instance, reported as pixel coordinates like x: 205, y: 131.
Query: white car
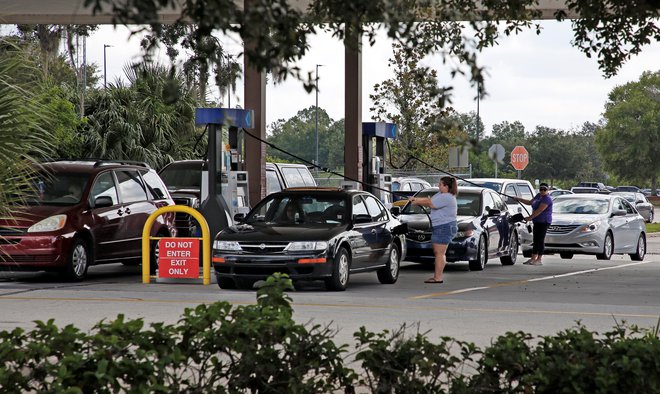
x: 595, y: 224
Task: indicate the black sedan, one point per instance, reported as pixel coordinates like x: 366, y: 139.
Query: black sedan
x: 484, y: 230
x: 311, y: 234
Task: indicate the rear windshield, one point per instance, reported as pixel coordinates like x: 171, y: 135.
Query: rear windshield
x: 182, y: 178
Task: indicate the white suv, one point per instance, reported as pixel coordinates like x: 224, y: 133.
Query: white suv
x: 509, y: 188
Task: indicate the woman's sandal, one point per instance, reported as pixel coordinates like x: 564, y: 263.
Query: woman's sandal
x: 432, y: 280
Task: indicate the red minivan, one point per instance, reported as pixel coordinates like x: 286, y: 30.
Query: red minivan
x: 84, y: 213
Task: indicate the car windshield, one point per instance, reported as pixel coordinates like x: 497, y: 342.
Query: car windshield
x: 295, y: 209
x: 580, y: 206
x: 58, y: 188
x: 416, y: 209
x: 181, y: 178
x: 497, y: 186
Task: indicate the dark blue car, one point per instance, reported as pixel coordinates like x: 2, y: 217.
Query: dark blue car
x: 484, y: 231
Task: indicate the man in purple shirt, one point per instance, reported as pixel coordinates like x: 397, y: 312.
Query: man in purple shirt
x: 541, y: 216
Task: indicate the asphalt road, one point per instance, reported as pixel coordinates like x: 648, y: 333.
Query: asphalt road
x: 474, y: 306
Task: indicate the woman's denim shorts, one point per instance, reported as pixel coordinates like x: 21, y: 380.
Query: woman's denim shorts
x: 444, y: 233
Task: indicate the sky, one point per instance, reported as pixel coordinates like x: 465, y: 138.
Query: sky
x: 537, y: 80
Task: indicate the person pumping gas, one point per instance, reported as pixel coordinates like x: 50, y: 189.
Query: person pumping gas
x: 541, y: 216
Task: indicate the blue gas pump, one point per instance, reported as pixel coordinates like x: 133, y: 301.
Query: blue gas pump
x: 214, y: 207
x: 374, y: 145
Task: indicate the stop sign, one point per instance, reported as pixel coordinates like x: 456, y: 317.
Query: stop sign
x: 519, y: 158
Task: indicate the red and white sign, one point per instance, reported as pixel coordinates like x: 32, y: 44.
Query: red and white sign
x: 519, y: 158
x: 178, y: 258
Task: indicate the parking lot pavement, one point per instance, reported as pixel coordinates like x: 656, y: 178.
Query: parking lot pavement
x: 653, y: 243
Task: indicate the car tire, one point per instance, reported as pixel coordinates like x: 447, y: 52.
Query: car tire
x: 78, y: 260
x: 513, y: 251
x: 340, y: 271
x: 640, y: 252
x: 390, y: 273
x: 566, y: 255
x: 225, y: 283
x: 153, y: 262
x: 482, y: 256
x: 608, y: 248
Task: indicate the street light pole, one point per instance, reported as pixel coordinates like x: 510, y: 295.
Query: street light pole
x: 317, y: 114
x: 105, y: 73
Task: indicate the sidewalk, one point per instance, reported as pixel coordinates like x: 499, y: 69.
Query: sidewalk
x: 653, y: 243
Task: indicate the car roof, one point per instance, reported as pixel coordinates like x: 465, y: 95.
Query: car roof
x: 586, y: 196
x: 494, y: 180
x: 91, y: 165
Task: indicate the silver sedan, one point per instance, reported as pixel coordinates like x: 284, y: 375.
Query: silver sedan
x: 641, y: 203
x: 596, y: 224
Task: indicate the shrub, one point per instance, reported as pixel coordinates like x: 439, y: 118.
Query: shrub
x: 260, y: 349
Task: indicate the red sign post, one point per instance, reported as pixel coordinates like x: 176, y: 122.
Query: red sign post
x: 519, y: 158
x: 178, y: 258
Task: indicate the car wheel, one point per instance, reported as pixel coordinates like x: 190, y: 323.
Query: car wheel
x: 225, y: 283
x: 244, y: 283
x: 641, y: 249
x: 608, y: 248
x: 340, y: 271
x: 482, y: 256
x: 78, y: 260
x: 513, y: 251
x: 390, y: 273
x: 566, y: 255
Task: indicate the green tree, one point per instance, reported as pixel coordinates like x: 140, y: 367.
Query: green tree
x: 629, y: 142
x: 297, y: 135
x: 152, y: 119
x: 23, y: 135
x: 407, y: 100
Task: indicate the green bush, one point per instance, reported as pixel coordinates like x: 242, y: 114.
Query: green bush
x: 260, y: 349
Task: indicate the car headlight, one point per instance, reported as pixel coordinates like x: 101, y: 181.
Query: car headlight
x: 307, y: 246
x: 464, y: 234
x: 227, y: 245
x: 590, y: 228
x: 52, y: 223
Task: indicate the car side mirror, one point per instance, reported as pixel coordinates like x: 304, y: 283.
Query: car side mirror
x: 239, y: 217
x: 619, y: 212
x: 396, y: 211
x: 102, y: 202
x: 361, y: 218
x: 494, y: 212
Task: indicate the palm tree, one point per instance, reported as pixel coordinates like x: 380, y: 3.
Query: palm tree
x: 150, y: 119
x: 23, y: 139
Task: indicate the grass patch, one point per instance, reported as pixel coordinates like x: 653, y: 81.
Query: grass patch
x: 652, y: 227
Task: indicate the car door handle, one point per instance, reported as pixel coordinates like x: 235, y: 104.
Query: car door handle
x: 373, y: 231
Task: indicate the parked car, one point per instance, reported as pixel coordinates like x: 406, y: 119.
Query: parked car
x: 405, y: 187
x: 184, y: 180
x: 584, y: 190
x: 558, y: 192
x: 641, y: 203
x: 85, y: 213
x: 509, y: 188
x: 649, y: 192
x: 598, y: 185
x: 633, y: 189
x: 596, y: 224
x: 329, y: 235
x: 484, y: 230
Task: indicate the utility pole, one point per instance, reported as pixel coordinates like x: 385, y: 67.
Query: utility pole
x: 317, y: 115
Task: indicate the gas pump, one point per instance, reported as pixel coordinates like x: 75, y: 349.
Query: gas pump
x: 227, y: 178
x: 374, y: 144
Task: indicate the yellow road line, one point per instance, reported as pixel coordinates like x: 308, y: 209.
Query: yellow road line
x: 521, y: 282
